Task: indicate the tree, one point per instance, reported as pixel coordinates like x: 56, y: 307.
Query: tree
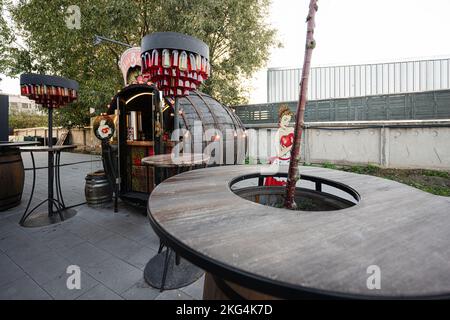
x: 294, y: 175
x: 6, y: 37
x: 21, y: 120
x: 235, y: 30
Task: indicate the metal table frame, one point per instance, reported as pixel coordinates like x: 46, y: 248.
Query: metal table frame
x: 54, y: 172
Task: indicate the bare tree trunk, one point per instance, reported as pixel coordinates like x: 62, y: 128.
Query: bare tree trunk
x: 294, y: 174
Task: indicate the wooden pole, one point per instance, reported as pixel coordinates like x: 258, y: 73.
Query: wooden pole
x: 294, y: 174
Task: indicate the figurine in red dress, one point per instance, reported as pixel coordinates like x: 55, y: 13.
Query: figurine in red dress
x: 285, y: 136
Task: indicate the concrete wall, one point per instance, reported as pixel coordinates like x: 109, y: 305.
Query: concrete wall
x: 83, y: 138
x: 391, y: 144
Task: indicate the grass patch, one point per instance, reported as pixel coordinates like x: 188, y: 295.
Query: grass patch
x: 329, y: 165
x: 432, y: 181
x: 369, y: 169
x: 435, y: 173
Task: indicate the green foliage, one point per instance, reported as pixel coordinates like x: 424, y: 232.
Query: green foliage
x: 6, y: 36
x: 75, y: 116
x: 329, y: 165
x: 437, y: 190
x: 235, y: 30
x: 25, y: 120
x: 435, y: 173
x: 368, y: 169
x: 432, y: 181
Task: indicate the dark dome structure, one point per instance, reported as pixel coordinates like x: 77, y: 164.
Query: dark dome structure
x: 210, y: 121
x: 213, y: 114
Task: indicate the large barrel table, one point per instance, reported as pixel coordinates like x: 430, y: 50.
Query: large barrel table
x: 12, y: 174
x: 393, y: 243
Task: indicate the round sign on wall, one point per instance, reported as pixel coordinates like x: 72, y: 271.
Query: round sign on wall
x: 103, y: 127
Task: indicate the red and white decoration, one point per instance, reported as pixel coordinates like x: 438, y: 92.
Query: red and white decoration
x: 48, y: 96
x: 131, y: 58
x: 175, y: 72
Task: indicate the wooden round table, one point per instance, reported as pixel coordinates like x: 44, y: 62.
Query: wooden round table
x: 394, y: 243
x: 166, y: 270
x: 171, y: 164
x: 172, y: 161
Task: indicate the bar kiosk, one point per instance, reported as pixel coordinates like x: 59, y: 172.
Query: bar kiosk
x: 161, y: 96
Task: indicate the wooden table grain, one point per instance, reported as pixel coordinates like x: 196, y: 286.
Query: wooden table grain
x: 174, y: 161
x: 401, y: 230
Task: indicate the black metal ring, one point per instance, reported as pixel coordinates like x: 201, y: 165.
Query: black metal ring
x: 174, y: 40
x: 42, y: 79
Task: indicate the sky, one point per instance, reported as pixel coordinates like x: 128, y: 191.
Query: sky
x: 349, y: 32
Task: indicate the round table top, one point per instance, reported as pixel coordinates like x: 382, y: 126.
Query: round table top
x: 400, y: 231
x: 47, y: 148
x: 7, y: 144
x: 171, y: 160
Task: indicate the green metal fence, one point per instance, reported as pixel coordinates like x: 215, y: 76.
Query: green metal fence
x: 408, y: 106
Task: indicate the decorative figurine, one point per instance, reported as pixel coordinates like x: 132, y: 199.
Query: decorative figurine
x: 285, y: 136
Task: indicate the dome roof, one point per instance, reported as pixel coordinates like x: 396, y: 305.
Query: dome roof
x: 198, y: 106
x: 215, y: 123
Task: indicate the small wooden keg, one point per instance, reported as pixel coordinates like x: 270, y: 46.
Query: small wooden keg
x: 98, y: 190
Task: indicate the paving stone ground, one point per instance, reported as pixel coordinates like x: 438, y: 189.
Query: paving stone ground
x: 110, y: 248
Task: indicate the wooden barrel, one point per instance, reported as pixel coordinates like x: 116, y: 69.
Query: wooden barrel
x: 12, y: 177
x: 98, y: 191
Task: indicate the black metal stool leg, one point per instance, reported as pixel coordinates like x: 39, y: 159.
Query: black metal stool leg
x: 161, y: 246
x: 57, y: 204
x: 58, y: 199
x: 58, y: 179
x: 110, y: 167
x: 25, y: 214
x: 116, y: 197
x: 177, y: 259
x: 166, y: 266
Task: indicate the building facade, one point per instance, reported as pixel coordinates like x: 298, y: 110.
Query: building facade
x: 19, y: 104
x: 348, y: 81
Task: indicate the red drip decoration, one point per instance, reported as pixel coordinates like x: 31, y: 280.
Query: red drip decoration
x: 175, y: 72
x: 48, y: 96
